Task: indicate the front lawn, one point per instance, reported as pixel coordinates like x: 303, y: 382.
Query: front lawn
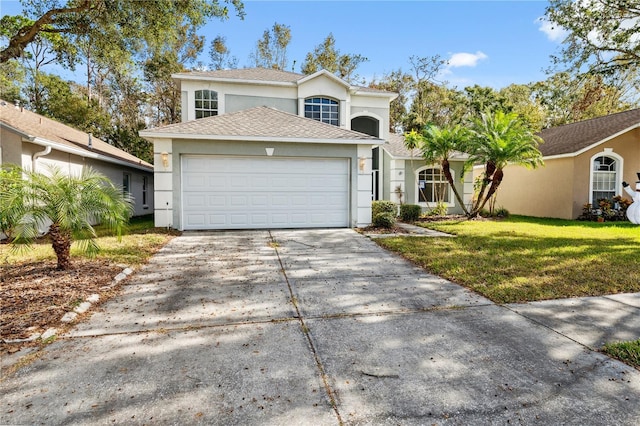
x: 34, y: 295
x: 627, y: 352
x: 524, y: 259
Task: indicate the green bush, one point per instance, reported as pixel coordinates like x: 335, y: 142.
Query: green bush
x: 502, y: 212
x: 383, y: 206
x: 440, y: 209
x: 384, y: 220
x: 497, y: 213
x: 410, y: 212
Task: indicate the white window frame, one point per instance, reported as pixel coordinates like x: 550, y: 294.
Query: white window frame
x: 381, y: 133
x: 608, y: 152
x: 145, y: 192
x: 208, y: 111
x: 452, y: 197
x: 126, y: 183
x: 334, y: 102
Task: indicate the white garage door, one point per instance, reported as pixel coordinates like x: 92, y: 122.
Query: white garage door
x: 247, y: 192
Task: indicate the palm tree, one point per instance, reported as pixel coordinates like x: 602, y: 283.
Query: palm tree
x: 69, y: 205
x: 438, y: 145
x: 497, y: 140
x: 11, y: 206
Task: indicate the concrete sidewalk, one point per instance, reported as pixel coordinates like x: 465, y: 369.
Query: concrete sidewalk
x: 323, y: 327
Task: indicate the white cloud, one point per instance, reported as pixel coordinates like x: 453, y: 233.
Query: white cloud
x: 464, y: 59
x: 553, y: 32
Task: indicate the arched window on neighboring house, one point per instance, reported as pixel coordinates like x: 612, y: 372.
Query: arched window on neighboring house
x: 322, y: 109
x: 206, y: 103
x: 433, y: 187
x: 605, y: 177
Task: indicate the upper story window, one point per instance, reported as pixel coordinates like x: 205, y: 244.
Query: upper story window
x: 206, y: 103
x: 322, y: 109
x: 604, y: 178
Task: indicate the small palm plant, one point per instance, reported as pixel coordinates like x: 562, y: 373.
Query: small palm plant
x: 70, y: 206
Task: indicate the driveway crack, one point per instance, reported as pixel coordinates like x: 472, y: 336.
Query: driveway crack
x: 305, y: 331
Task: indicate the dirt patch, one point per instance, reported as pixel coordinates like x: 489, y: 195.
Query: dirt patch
x: 35, y: 296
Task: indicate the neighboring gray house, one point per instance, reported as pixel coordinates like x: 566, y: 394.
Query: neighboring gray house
x: 261, y: 148
x: 406, y: 174
x: 32, y: 141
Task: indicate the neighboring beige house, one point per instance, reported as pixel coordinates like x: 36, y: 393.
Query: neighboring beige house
x: 419, y: 183
x: 261, y: 148
x: 584, y: 162
x: 33, y: 141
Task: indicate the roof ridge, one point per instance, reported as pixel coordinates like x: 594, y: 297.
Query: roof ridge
x: 608, y: 116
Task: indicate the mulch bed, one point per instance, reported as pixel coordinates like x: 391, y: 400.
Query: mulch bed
x: 376, y: 230
x: 34, y: 296
x: 443, y: 218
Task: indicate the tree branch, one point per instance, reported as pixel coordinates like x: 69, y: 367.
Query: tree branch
x: 26, y: 35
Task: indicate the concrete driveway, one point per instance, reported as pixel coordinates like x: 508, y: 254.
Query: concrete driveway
x: 314, y: 327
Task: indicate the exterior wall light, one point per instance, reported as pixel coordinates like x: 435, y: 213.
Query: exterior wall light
x: 362, y: 163
x: 165, y: 159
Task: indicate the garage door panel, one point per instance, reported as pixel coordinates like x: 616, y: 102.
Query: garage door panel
x: 243, y: 193
x: 217, y: 201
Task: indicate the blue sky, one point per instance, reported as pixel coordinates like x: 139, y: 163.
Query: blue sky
x: 490, y: 43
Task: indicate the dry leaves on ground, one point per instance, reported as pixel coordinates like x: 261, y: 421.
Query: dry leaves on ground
x: 35, y: 296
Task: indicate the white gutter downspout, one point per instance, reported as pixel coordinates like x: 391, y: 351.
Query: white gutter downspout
x: 34, y: 158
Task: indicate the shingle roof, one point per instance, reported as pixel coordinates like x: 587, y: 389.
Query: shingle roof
x: 575, y: 137
x: 36, y: 125
x: 259, y: 122
x: 395, y: 147
x: 252, y: 74
x: 263, y: 75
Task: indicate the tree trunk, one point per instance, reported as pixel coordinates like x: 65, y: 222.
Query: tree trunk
x: 497, y: 179
x: 61, y: 243
x: 447, y: 174
x: 489, y: 170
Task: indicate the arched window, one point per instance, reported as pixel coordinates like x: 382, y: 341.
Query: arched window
x: 605, y: 171
x: 322, y: 109
x: 206, y: 103
x: 433, y: 186
x: 367, y: 125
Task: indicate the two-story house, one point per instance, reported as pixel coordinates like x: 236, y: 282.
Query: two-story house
x: 260, y: 148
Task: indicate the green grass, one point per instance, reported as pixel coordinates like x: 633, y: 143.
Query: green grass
x: 139, y: 242
x: 627, y: 352
x: 524, y: 259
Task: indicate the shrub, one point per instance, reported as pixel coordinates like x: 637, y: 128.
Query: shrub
x: 384, y: 220
x: 606, y: 210
x: 410, y: 212
x: 382, y: 206
x: 439, y: 210
x: 501, y: 212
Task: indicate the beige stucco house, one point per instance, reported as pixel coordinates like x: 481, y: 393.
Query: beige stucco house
x: 262, y: 148
x: 584, y: 162
x: 33, y: 141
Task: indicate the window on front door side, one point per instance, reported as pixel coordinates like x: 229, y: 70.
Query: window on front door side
x: 322, y: 109
x: 432, y: 186
x: 206, y: 103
